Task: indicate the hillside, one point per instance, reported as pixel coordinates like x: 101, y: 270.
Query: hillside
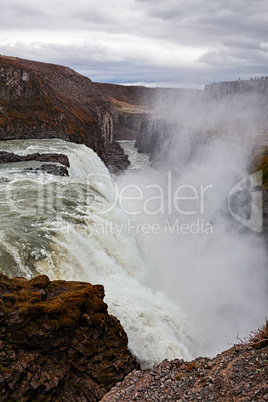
x: 41, y: 100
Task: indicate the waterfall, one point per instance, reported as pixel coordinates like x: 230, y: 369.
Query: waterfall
x: 73, y: 228
x: 180, y: 276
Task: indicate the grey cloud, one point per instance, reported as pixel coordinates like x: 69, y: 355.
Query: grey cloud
x: 134, y: 70
x: 231, y: 33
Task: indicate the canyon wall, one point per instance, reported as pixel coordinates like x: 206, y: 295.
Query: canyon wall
x: 257, y: 86
x: 40, y: 100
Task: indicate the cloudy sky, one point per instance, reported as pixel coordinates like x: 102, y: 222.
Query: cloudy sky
x: 153, y: 42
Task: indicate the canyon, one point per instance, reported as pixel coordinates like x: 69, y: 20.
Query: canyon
x: 57, y: 340
x: 42, y: 100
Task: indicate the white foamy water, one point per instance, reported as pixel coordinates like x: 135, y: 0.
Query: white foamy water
x: 182, y: 278
x: 72, y: 228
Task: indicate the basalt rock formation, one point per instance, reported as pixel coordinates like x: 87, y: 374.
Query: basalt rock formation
x: 57, y: 341
x: 140, y: 113
x: 199, y: 116
x: 253, y: 92
x: 41, y: 100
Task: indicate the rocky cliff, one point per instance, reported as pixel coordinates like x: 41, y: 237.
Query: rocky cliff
x: 40, y: 100
x: 139, y: 111
x: 254, y: 86
x: 57, y: 341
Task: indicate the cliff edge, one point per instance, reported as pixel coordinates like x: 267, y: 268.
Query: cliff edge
x: 57, y: 341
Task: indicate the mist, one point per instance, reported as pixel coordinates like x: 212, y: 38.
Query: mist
x: 196, y: 253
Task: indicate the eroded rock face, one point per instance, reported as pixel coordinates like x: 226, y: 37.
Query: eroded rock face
x: 57, y: 341
x: 220, y: 89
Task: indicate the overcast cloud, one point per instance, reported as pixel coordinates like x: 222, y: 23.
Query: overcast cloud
x: 152, y: 42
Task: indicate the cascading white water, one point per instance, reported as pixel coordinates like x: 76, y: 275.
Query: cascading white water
x: 177, y: 292
x: 73, y: 228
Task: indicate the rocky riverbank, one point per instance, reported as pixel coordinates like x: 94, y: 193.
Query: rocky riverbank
x: 238, y: 374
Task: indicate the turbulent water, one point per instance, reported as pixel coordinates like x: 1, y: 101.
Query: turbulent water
x: 138, y: 161
x: 181, y: 283
x: 68, y: 228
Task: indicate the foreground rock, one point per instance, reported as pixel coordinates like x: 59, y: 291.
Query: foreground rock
x: 238, y: 374
x: 57, y: 341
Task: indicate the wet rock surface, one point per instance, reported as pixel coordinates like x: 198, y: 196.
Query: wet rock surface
x: 238, y: 374
x: 58, y: 166
x: 56, y: 170
x: 57, y: 341
x: 115, y: 158
x: 10, y: 157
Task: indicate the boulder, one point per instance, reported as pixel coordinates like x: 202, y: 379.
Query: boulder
x: 58, y: 342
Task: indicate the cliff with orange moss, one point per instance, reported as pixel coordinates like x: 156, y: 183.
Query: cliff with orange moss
x: 41, y: 100
x: 57, y: 341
